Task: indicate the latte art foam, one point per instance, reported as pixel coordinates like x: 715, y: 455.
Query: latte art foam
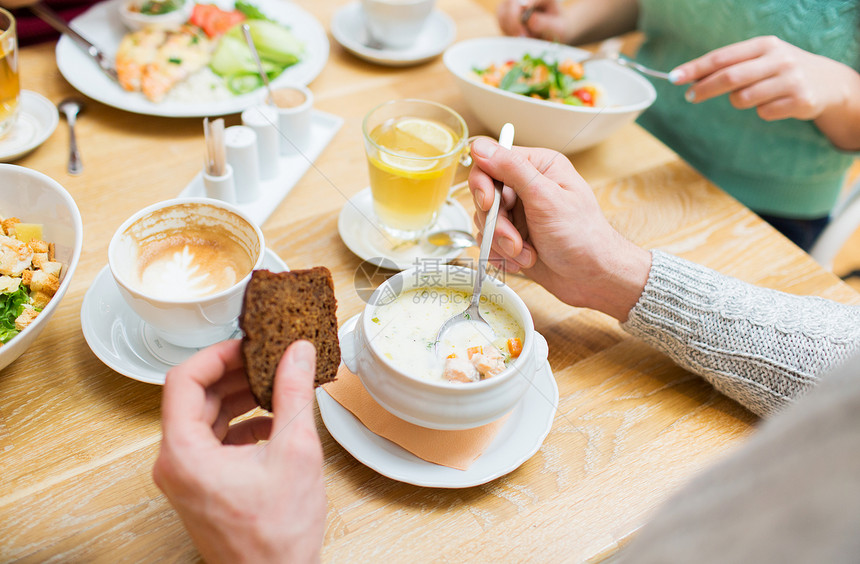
x: 191, y: 272
x: 185, y: 252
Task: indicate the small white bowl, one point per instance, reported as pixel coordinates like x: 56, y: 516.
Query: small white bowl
x: 134, y: 20
x: 34, y: 197
x: 443, y: 405
x: 541, y: 123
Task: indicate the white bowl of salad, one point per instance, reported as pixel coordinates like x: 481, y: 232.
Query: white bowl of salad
x: 552, y: 100
x: 41, y: 236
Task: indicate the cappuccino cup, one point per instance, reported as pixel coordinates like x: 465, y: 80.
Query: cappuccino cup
x: 182, y: 265
x: 396, y: 24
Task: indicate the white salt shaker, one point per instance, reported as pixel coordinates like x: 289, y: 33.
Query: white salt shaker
x: 263, y: 119
x: 240, y: 143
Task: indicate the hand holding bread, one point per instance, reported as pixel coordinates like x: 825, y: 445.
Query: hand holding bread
x: 221, y: 482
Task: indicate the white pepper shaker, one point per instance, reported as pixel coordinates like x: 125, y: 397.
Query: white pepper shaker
x: 240, y: 143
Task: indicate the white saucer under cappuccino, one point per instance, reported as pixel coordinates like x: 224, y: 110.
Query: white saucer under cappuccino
x: 183, y: 264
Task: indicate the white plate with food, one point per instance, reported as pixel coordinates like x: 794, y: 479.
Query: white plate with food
x: 518, y: 439
x: 37, y: 120
x: 361, y: 234
x: 205, y: 94
x: 347, y: 28
x: 123, y: 341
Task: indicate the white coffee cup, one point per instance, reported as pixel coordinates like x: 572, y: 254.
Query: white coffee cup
x: 396, y: 23
x: 182, y: 265
x: 294, y: 105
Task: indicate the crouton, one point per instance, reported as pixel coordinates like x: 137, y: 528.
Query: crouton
x: 40, y: 281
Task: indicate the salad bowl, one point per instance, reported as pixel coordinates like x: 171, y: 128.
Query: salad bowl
x: 623, y: 94
x: 36, y: 198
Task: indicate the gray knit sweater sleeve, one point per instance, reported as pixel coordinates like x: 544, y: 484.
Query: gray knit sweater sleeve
x: 761, y: 347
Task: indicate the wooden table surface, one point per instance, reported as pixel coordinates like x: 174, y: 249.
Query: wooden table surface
x: 77, y: 440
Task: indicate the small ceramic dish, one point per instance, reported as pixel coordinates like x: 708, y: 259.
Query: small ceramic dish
x: 132, y: 17
x: 443, y: 405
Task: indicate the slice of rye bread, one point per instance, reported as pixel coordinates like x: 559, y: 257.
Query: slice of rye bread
x: 280, y: 308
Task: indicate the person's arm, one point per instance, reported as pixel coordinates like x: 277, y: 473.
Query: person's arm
x: 780, y: 81
x: 759, y: 346
x: 240, y: 500
x: 575, y: 23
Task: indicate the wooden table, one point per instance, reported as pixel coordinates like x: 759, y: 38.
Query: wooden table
x: 77, y: 440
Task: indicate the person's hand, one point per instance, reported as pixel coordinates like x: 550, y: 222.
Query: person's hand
x: 243, y: 501
x: 776, y: 78
x: 551, y: 227
x: 546, y: 19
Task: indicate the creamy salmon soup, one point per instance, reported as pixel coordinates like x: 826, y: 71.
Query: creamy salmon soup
x: 404, y: 332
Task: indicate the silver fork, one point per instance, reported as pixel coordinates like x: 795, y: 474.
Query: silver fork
x: 610, y: 50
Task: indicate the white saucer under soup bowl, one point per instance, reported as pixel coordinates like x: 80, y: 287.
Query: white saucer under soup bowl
x: 541, y: 123
x: 34, y: 197
x: 438, y: 404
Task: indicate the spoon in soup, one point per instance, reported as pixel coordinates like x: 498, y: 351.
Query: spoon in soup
x: 472, y: 314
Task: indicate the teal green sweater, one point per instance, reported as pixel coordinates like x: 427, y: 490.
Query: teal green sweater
x: 786, y: 168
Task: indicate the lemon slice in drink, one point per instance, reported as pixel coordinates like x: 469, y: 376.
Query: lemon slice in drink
x: 419, y: 140
x: 417, y: 169
x: 430, y: 132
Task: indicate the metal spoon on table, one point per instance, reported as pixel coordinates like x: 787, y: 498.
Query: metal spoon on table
x: 70, y: 108
x: 472, y: 313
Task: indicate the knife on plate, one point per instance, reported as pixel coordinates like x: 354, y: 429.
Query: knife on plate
x: 53, y: 19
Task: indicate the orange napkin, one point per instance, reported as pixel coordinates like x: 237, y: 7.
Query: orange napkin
x: 455, y: 449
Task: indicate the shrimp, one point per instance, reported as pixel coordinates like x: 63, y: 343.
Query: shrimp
x: 183, y: 53
x: 136, y: 51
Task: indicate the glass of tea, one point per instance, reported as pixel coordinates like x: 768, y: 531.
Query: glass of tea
x: 10, y: 88
x: 413, y: 148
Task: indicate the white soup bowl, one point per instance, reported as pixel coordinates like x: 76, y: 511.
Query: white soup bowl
x: 443, y: 405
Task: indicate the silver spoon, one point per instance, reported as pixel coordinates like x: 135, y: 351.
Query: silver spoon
x: 446, y: 240
x: 472, y: 313
x: 70, y: 108
x: 452, y: 238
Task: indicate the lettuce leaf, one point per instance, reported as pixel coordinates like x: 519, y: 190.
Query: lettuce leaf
x: 11, y: 306
x: 274, y: 42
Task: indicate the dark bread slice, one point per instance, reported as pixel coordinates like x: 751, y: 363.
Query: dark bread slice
x: 283, y: 307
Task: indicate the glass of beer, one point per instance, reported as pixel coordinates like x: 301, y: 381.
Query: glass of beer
x: 10, y: 88
x: 413, y: 148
